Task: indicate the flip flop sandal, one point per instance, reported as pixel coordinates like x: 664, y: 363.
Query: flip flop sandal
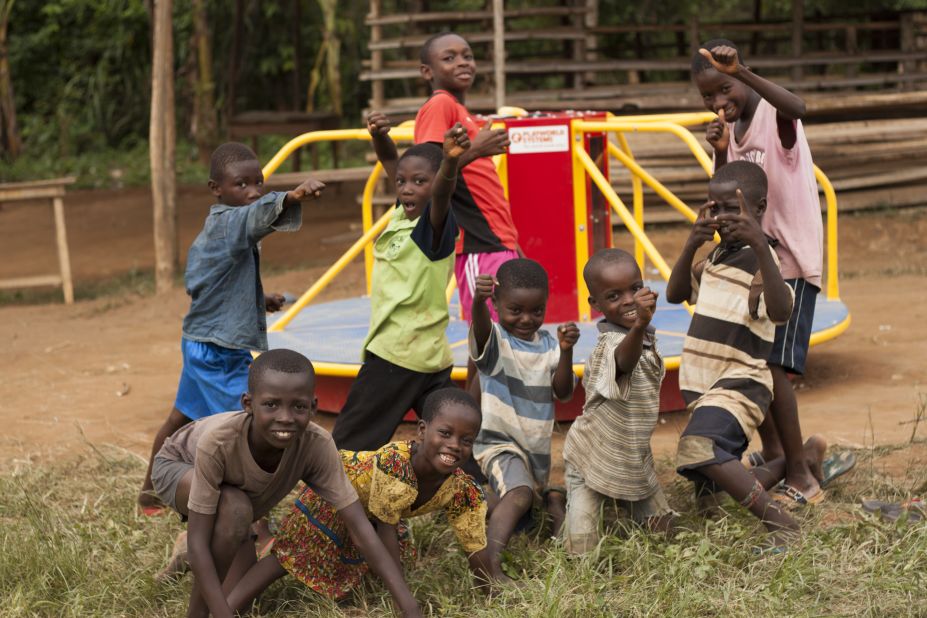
x: 756, y: 459
x: 153, y: 511
x: 892, y: 511
x: 791, y: 499
x: 836, y: 466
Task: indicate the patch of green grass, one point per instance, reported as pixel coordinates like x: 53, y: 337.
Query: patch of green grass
x: 72, y: 545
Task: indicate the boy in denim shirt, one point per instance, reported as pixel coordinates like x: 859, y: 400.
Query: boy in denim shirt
x: 227, y: 319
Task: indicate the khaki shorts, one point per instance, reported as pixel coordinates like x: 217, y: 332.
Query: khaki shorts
x: 585, y: 508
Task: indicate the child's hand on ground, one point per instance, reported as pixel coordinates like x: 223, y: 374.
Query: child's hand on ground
x: 484, y: 287
x: 742, y: 227
x: 645, y: 302
x: 567, y: 335
x: 489, y: 142
x: 274, y: 302
x: 718, y: 134
x: 456, y: 141
x: 723, y: 58
x: 378, y: 123
x: 704, y: 227
x: 306, y: 191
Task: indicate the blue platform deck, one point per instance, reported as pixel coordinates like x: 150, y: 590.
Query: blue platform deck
x: 334, y: 332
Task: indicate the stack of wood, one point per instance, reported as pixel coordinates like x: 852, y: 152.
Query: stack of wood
x: 871, y: 163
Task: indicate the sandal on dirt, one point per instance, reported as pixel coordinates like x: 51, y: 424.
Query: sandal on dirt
x: 836, y: 466
x: 892, y: 512
x: 791, y: 498
x: 756, y: 459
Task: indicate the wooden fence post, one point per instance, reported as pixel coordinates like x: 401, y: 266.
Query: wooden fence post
x: 162, y: 146
x: 498, y: 52
x: 798, y: 26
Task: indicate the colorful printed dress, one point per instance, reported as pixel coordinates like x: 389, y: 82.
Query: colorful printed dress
x: 313, y: 543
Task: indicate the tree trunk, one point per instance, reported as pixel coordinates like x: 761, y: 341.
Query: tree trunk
x: 204, y: 100
x: 329, y: 57
x: 161, y: 148
x: 9, y: 134
x: 234, y: 61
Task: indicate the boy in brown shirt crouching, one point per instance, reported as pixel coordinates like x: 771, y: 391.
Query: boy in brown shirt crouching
x: 228, y: 470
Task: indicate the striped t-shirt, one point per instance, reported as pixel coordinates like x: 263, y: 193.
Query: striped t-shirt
x: 517, y: 398
x: 610, y: 443
x: 729, y: 340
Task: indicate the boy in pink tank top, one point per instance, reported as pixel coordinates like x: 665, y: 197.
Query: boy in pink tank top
x: 760, y: 121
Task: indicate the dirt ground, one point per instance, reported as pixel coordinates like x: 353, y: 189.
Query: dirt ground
x: 105, y: 370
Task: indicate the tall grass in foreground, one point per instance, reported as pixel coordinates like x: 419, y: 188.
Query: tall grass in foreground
x: 72, y: 545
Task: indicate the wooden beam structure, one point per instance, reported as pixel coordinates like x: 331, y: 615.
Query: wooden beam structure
x: 52, y: 191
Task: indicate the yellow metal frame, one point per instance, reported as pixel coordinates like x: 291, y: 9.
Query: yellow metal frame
x: 674, y: 124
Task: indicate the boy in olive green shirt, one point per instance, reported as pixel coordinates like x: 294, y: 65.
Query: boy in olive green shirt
x: 406, y: 353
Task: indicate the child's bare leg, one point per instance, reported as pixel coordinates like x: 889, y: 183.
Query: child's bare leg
x: 261, y: 575
x: 740, y: 484
x: 231, y: 535
x: 555, y: 505
x: 505, y: 516
x: 784, y: 410
x: 770, y: 473
x: 769, y: 435
x: 175, y: 420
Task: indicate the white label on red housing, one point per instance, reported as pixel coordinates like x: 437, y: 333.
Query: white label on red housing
x: 527, y: 140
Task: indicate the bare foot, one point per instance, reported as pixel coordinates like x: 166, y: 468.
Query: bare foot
x: 555, y: 505
x: 177, y: 565
x: 149, y: 502
x: 815, y: 448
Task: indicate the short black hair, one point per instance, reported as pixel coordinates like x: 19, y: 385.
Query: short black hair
x: 444, y: 396
x: 425, y: 53
x: 749, y: 177
x: 602, y: 257
x: 225, y: 155
x: 522, y: 273
x: 700, y: 63
x: 429, y: 151
x: 286, y: 361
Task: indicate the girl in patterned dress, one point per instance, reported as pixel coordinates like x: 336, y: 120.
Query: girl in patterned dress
x: 400, y: 480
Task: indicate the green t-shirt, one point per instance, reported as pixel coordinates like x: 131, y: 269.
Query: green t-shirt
x: 409, y: 314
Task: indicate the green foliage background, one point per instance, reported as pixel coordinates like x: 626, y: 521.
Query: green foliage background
x: 81, y: 68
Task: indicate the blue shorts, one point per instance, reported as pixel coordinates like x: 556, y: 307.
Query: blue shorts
x: 790, y: 348
x: 712, y: 436
x: 213, y: 379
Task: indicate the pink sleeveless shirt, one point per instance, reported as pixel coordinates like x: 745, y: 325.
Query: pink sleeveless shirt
x: 793, y: 211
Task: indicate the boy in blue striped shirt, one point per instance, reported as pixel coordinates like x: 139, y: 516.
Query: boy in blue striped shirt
x: 522, y: 369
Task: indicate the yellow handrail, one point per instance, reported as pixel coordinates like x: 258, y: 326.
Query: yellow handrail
x: 399, y: 134
x: 637, y: 189
x: 332, y: 272
x: 830, y: 198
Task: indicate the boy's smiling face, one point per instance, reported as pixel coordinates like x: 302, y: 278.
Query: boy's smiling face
x: 612, y: 289
x: 521, y: 310
x: 447, y: 440
x: 242, y: 183
x: 414, y: 178
x: 723, y: 92
x: 451, y: 65
x: 724, y: 196
x: 281, y: 406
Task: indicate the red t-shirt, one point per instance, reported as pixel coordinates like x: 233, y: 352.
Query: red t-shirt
x: 479, y: 203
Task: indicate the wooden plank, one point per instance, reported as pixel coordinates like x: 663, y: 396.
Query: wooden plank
x: 34, y: 189
x: 535, y: 34
x: 64, y: 258
x: 30, y: 282
x: 669, y: 64
x: 469, y: 16
x: 345, y: 174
